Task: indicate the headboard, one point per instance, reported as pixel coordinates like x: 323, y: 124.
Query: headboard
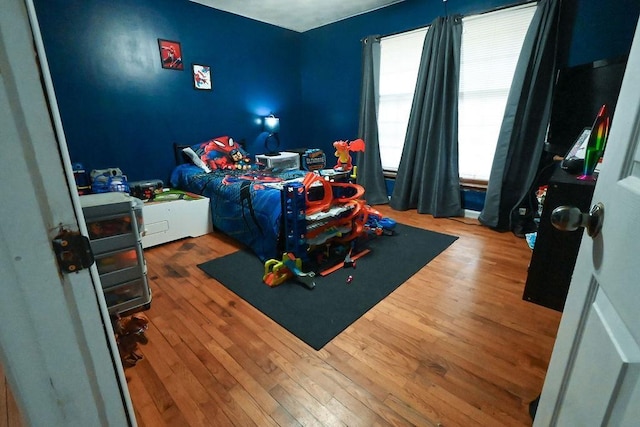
x: 179, y: 155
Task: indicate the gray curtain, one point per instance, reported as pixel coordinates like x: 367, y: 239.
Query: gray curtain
x: 428, y: 178
x: 369, y: 173
x: 521, y: 138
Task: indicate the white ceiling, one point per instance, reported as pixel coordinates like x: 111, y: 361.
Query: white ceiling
x: 297, y: 15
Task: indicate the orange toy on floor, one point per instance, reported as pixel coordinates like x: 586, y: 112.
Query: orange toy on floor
x: 130, y: 332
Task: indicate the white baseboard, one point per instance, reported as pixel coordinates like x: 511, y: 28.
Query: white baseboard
x: 471, y: 214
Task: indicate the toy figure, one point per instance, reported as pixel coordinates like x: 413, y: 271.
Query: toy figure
x: 129, y: 333
x: 240, y: 161
x: 343, y: 148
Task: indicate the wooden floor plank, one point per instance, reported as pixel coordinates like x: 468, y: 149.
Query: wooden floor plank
x: 454, y: 345
x: 10, y: 415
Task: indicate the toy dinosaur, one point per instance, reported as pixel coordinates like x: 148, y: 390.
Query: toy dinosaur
x: 343, y: 149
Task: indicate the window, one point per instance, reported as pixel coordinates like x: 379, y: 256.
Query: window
x: 491, y: 44
x: 399, y: 63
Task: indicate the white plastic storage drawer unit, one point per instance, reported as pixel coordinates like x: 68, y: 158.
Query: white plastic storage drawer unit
x: 115, y: 223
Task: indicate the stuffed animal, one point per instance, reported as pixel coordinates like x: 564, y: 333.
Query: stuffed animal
x: 130, y: 332
x: 223, y: 153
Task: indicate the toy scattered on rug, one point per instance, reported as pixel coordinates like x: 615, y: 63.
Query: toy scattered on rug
x: 130, y: 331
x: 331, y: 256
x: 348, y: 262
x: 343, y: 149
x: 277, y: 272
x: 378, y: 224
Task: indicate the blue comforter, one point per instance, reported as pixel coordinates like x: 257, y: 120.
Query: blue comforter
x: 245, y: 205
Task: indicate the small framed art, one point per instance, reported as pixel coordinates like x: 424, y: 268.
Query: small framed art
x: 202, y: 77
x: 170, y: 54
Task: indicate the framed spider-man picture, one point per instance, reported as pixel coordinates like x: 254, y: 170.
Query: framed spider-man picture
x: 202, y: 77
x: 170, y: 54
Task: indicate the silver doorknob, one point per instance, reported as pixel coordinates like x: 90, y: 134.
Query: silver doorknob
x: 570, y: 218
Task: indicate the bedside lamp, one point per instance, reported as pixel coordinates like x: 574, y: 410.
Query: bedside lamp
x: 271, y: 124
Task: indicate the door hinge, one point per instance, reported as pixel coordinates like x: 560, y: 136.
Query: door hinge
x: 73, y: 251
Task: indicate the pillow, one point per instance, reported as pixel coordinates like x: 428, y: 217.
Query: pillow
x: 221, y: 153
x: 195, y: 159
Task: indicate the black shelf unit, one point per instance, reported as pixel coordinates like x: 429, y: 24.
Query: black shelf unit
x: 555, y: 252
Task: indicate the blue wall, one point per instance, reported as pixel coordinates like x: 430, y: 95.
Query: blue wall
x: 121, y: 109
x: 601, y: 29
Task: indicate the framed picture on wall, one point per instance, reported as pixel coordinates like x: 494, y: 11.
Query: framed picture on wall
x: 170, y: 54
x: 202, y: 77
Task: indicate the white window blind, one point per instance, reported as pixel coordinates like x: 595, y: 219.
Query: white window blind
x: 399, y: 63
x: 491, y: 44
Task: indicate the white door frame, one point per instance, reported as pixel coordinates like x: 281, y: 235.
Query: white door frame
x: 57, y: 345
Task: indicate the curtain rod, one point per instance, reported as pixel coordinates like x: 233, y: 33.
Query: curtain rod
x: 495, y: 9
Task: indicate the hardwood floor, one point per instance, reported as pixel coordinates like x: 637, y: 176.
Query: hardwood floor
x: 9, y: 413
x: 454, y: 346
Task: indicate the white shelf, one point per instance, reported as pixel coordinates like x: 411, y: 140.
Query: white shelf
x: 175, y: 219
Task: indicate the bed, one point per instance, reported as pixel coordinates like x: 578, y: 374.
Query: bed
x: 272, y: 211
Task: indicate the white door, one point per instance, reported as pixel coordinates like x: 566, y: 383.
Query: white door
x: 594, y: 373
x: 56, y: 341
